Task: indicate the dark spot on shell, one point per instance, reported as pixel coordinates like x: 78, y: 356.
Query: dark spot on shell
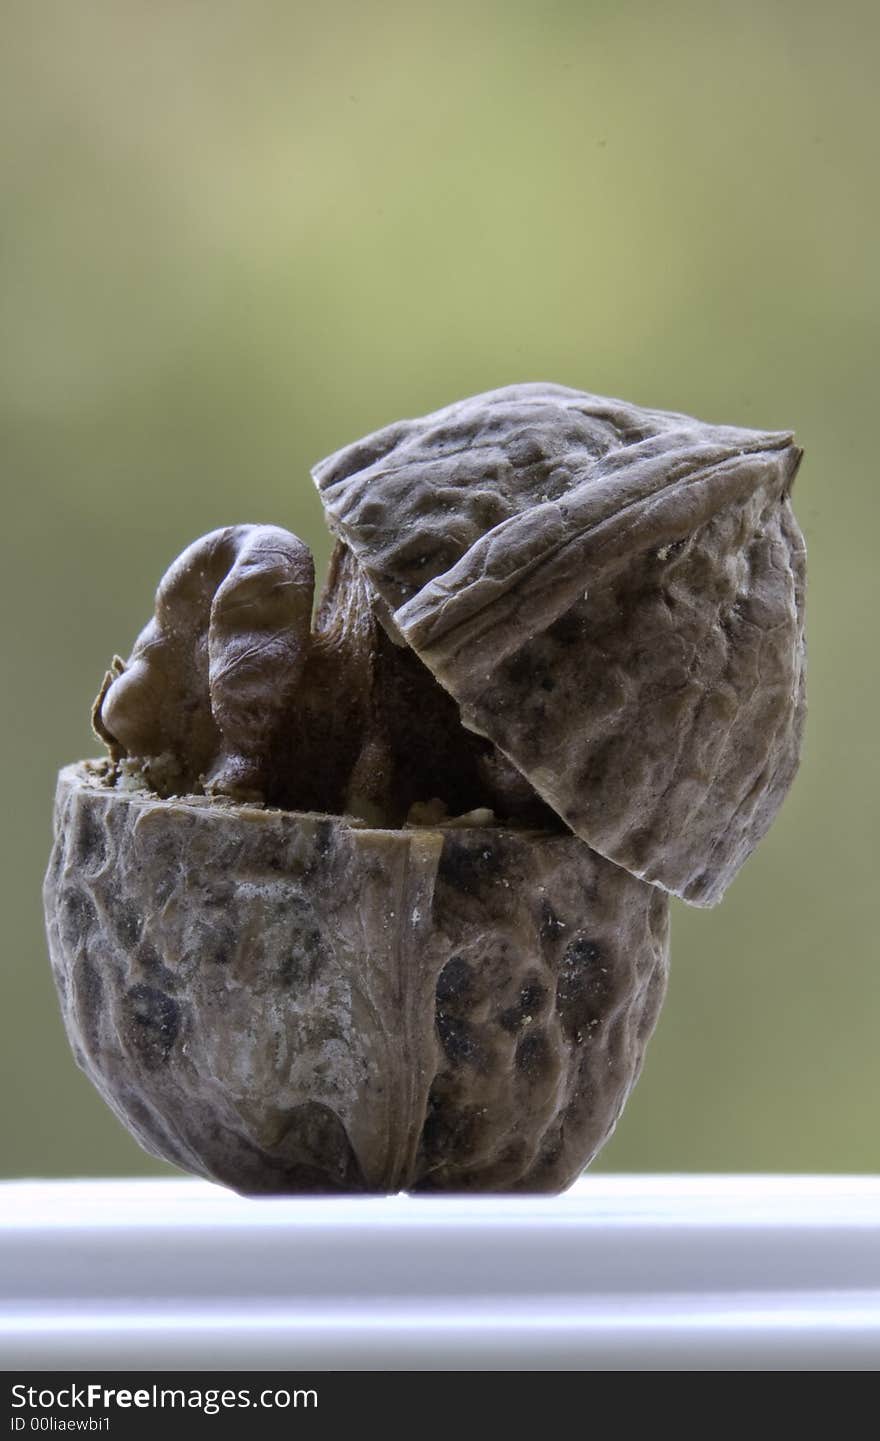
x: 458, y: 1040
x: 534, y: 1057
x: 568, y: 629
x: 529, y: 1002
x: 582, y: 952
x: 323, y: 838
x: 532, y: 996
x: 582, y: 986
x: 153, y: 1024
x: 456, y: 982
x: 468, y: 868
x: 511, y: 1019
x: 449, y: 1131
x: 218, y: 947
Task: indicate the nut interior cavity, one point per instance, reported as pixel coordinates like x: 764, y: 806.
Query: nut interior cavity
x: 233, y: 690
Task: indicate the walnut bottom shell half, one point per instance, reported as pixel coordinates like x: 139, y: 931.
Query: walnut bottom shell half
x: 294, y: 1003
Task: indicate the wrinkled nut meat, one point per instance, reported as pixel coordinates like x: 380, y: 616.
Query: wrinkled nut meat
x: 377, y: 900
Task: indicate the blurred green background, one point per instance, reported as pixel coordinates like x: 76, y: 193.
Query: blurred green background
x: 238, y: 235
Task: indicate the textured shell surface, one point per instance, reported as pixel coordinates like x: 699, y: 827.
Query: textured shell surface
x: 613, y: 595
x: 289, y: 1002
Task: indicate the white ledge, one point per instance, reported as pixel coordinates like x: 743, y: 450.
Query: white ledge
x: 621, y: 1273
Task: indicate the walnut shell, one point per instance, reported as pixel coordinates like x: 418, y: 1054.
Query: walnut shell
x: 613, y: 596
x: 287, y: 1002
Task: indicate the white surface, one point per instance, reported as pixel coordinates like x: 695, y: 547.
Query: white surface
x: 621, y: 1273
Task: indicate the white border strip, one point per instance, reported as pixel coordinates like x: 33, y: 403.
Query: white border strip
x: 621, y: 1273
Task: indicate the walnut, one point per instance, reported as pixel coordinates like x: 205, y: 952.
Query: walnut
x: 377, y: 900
x: 613, y: 596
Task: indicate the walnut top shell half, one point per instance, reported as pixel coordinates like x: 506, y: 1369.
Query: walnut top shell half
x: 614, y: 598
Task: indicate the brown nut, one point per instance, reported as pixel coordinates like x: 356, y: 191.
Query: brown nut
x: 276, y: 981
x: 293, y: 1003
x: 613, y: 596
x: 300, y: 1002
